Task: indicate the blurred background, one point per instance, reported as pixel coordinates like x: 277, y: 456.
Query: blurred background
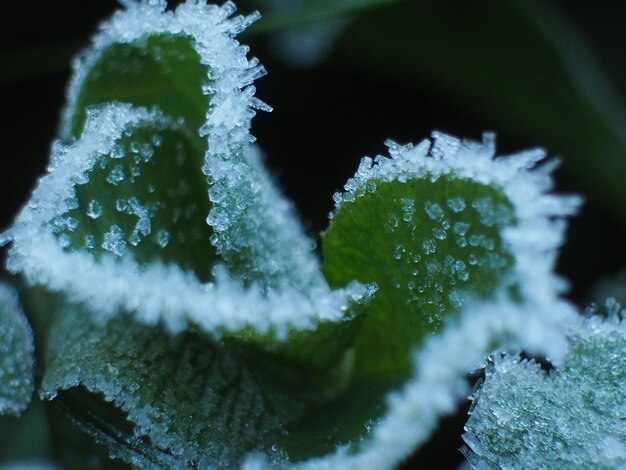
x: 344, y: 75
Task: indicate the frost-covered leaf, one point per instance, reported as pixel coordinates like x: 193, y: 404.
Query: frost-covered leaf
x: 140, y: 222
x: 573, y: 416
x: 410, y: 412
x: 434, y: 227
x: 143, y: 194
x: 16, y: 355
x: 180, y: 61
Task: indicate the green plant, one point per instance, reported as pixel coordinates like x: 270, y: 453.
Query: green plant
x: 181, y: 315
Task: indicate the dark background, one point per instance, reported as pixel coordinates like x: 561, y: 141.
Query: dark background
x: 422, y: 77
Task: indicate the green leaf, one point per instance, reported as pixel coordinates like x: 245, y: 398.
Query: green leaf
x: 519, y: 65
x: 168, y: 358
x: 427, y: 248
x: 16, y: 355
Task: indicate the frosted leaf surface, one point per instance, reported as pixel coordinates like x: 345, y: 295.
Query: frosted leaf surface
x: 16, y: 355
x: 187, y: 63
x: 448, y: 222
x: 573, y: 416
x: 249, y: 360
x: 257, y: 230
x: 187, y: 399
x: 156, y: 205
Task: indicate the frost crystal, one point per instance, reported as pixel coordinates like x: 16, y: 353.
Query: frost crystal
x: 570, y: 417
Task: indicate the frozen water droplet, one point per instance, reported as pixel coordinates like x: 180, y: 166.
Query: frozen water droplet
x: 121, y: 205
x: 117, y: 151
x: 94, y: 209
x: 488, y: 243
x: 433, y: 210
x: 429, y: 247
x: 114, y: 241
x: 116, y: 176
x: 71, y: 223
x: 392, y: 219
x: 408, y: 209
x: 90, y: 241
x: 475, y: 240
x: 454, y: 298
x: 439, y: 233
x: 146, y: 151
x: 162, y: 238
x: 457, y: 204
x: 460, y: 228
x: 156, y: 140
x: 398, y: 251
x: 433, y: 267
x: 461, y: 242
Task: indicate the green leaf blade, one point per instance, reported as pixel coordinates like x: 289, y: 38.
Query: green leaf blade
x: 425, y: 258
x: 183, y: 398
